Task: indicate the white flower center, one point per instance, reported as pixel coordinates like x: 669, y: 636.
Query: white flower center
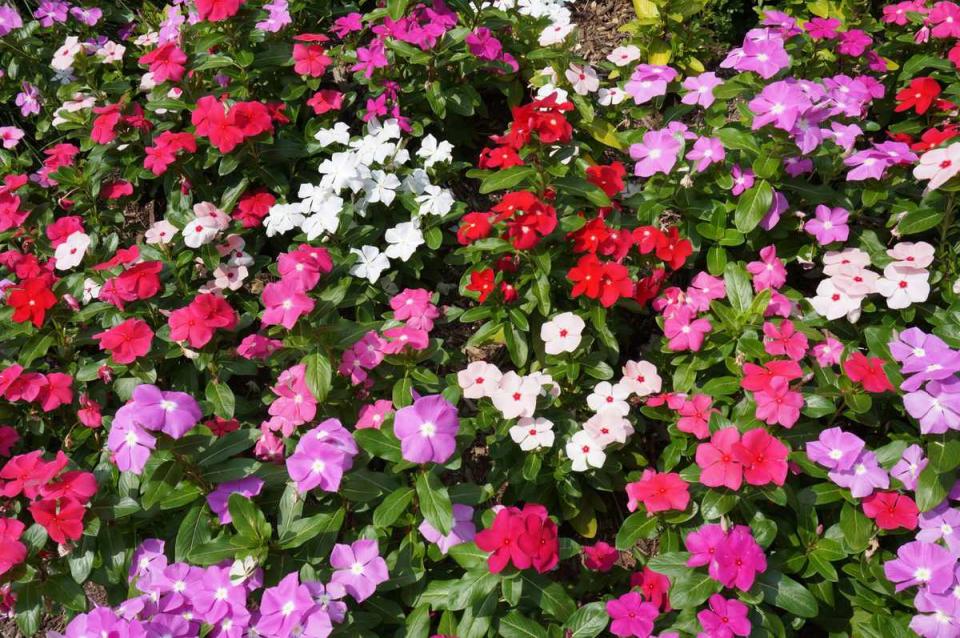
x: 428, y: 429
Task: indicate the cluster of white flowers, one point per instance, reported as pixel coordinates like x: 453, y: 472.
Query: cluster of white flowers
x: 609, y: 424
x: 905, y: 280
x: 367, y: 172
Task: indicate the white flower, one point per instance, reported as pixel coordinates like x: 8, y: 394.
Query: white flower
x: 162, y: 232
x: 404, y: 239
x: 283, y: 218
x: 606, y: 395
x: 903, y: 285
x: 555, y: 34
x: 833, y: 303
x: 63, y: 57
x: 111, y: 52
x: 435, y: 201
x: 608, y: 426
x: 516, y: 396
x: 640, y: 378
x: 417, y: 181
x: 326, y: 221
x: 914, y: 255
x: 622, y: 56
x: 956, y: 287
x: 583, y: 79
x: 547, y: 90
x: 70, y: 253
x: 344, y: 169
x: 532, y: 434
x: 433, y: 152
x: 585, y: 452
x: 381, y: 187
x: 147, y: 83
x: 834, y: 260
x: 339, y: 134
x: 479, y: 379
x: 548, y: 387
x: 610, y: 97
x: 91, y: 291
x: 370, y: 263
x: 229, y: 277
x: 200, y: 231
x: 938, y: 165
x: 562, y: 333
x: 855, y: 280
x: 147, y: 39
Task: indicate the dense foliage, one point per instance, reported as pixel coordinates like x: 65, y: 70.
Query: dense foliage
x: 405, y: 319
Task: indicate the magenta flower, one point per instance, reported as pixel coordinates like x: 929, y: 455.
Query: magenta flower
x: 873, y: 162
x: 864, y: 477
x: 649, y: 81
x: 50, y: 12
x: 764, y: 57
x: 482, y: 44
x: 828, y: 225
x: 684, y: 330
x: 706, y: 151
x: 403, y: 337
x: 738, y: 559
x: 413, y: 306
x: 657, y: 153
x: 345, y: 25
x: 778, y: 404
x: 726, y: 617
x: 9, y: 20
x: 855, y: 42
x: 700, y: 89
x: 703, y: 543
x: 464, y: 529
x: 924, y: 564
x: 823, y: 28
x: 742, y: 179
x: 295, y: 402
x: 283, y: 607
x: 359, y: 568
x: 769, y: 272
x: 373, y: 415
x: 130, y: 444
x: 284, y: 303
x: 784, y: 339
x: 215, y: 596
x: 631, y: 616
x: 174, y: 413
x: 835, y: 449
x: 322, y: 456
x: 777, y: 208
x: 218, y: 498
x: 371, y: 58
x: 28, y: 99
x: 780, y: 104
x: 427, y: 430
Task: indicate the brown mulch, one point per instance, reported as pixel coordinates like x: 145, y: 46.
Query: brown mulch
x: 599, y: 22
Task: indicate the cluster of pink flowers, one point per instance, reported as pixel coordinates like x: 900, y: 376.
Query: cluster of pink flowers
x: 48, y: 391
x: 300, y: 270
x: 682, y: 326
x: 413, y: 307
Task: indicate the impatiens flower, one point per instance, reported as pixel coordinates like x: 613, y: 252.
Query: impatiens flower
x: 585, y: 452
x: 12, y: 551
x: 283, y: 607
x: 706, y: 151
x: 891, y: 510
x: 769, y: 272
x: 322, y: 456
x: 463, y: 530
x: 703, y: 543
x: 527, y: 538
x: 630, y: 616
x: 562, y: 333
x: 370, y: 263
x: 624, y: 55
x: 516, y: 396
x: 659, y: 492
x: 726, y: 617
x: 649, y: 81
x: 921, y: 564
x: 131, y: 446
x: 127, y: 341
x: 828, y: 352
x: 936, y: 411
x: 907, y: 469
x: 738, y: 559
x: 918, y: 96
x: 863, y: 477
x: 583, y: 79
x: 695, y: 415
x: 778, y: 404
x: 532, y: 433
x: 867, y: 371
x: 174, y: 413
x: 835, y: 449
x: 479, y: 379
x: 285, y: 304
x: 640, y: 378
x: 913, y: 254
x: 606, y: 396
x: 62, y: 518
x: 427, y: 430
x: 903, y: 285
x: 743, y: 179
x: 600, y: 557
x: 217, y: 10
x: 718, y: 465
x: 30, y: 300
x: 828, y: 225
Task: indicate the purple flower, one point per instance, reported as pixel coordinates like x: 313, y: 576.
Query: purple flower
x: 219, y: 498
x: 742, y: 179
x: 102, y: 621
x: 925, y: 357
x: 942, y: 523
x: 9, y: 20
x: 845, y: 135
x: 427, y: 430
x: 649, y: 81
x: 829, y: 225
x: 463, y: 530
x: 283, y: 607
x: 345, y: 25
x: 147, y: 559
x: 936, y: 410
x: 130, y: 444
x: 371, y: 58
x: 863, y: 478
x: 657, y: 153
x: 873, y: 162
x: 835, y: 449
x: 854, y: 42
x: 51, y: 11
x: 908, y: 468
x: 796, y: 166
x: 279, y: 16
x: 764, y: 57
x: 215, y: 596
x: 316, y: 463
x: 700, y: 89
x: 359, y: 568
x: 777, y: 208
x: 28, y: 100
x: 780, y: 104
x: 822, y: 28
x: 89, y: 16
x: 920, y: 563
x: 706, y: 151
x: 174, y: 413
x: 327, y: 597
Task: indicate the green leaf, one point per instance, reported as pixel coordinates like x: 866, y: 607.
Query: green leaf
x: 548, y: 595
x: 379, y: 442
x: 502, y: 180
x: 193, y: 532
x: 857, y: 529
x: 227, y: 446
x: 319, y: 375
x: 739, y: 290
x: 573, y: 185
x: 306, y: 529
x: 752, y: 206
x: 917, y: 221
x: 692, y: 589
x: 672, y: 564
x: 221, y: 398
x: 247, y: 518
x: 64, y: 590
x: 638, y: 525
x: 515, y: 625
x: 392, y: 507
x: 435, y: 502
x: 418, y: 623
x: 787, y: 594
x: 161, y: 483
x: 932, y: 488
x: 588, y: 621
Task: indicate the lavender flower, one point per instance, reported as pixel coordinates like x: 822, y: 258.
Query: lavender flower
x: 463, y: 530
x: 28, y: 99
x: 924, y: 564
x: 427, y: 430
x: 219, y: 498
x: 359, y: 568
x: 863, y: 478
x: 9, y: 20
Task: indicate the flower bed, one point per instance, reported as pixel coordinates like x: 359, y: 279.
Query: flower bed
x: 405, y: 319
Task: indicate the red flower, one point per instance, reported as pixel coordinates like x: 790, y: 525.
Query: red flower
x: 326, y: 100
x: 600, y: 557
x: 605, y: 281
x: 919, y: 95
x: 539, y: 538
x: 587, y: 238
x: 253, y: 207
x: 12, y: 551
x: 481, y: 281
x: 104, y: 125
x: 62, y: 518
x: 764, y: 457
x: 654, y: 587
x: 934, y: 137
x: 116, y: 189
x: 217, y: 10
x: 508, y: 291
x: 672, y: 249
x: 134, y: 284
x: 310, y: 59
x: 166, y: 62
x: 127, y: 341
x: 30, y: 300
x: 499, y: 157
x: 868, y: 372
x: 473, y: 226
x: 649, y: 287
x: 891, y: 510
x: 59, y: 230
x: 609, y: 178
x: 647, y: 238
x: 220, y: 426
x: 659, y: 492
x: 526, y: 538
x: 80, y: 486
x: 56, y: 390
x: 29, y: 473
x: 196, y: 322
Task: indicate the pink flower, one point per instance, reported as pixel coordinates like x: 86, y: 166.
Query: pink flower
x: 769, y: 272
x: 284, y: 304
x: 630, y: 616
x: 657, y: 153
x: 127, y: 341
x: 684, y: 331
x: 600, y: 557
x: 700, y: 89
x: 778, y: 403
x: 373, y: 415
x: 659, y: 492
x: 764, y: 458
x: 718, y: 467
x: 257, y: 346
x: 402, y: 337
x: 828, y: 353
x: 695, y: 416
x: 738, y: 559
x: 414, y: 306
x: 706, y: 151
x: 726, y: 617
x: 784, y: 340
x: 302, y: 268
x: 295, y: 402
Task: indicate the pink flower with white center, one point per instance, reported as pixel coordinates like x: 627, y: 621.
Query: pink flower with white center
x: 828, y: 353
x: 834, y: 260
x: 914, y: 255
x: 284, y: 304
x: 938, y: 165
x: 706, y: 151
x: 685, y: 331
x: 622, y: 56
x: 479, y: 379
x: 10, y: 135
x: 832, y: 302
x: 640, y: 378
x: 70, y: 253
x: 608, y: 426
x: 700, y: 89
x: 903, y: 285
x: 583, y: 79
x: 162, y: 232
x: 209, y: 211
x: 370, y: 349
x: 608, y: 396
x: 769, y: 272
x: 562, y: 333
x: 584, y: 452
x: 516, y: 396
x: 373, y: 415
x: 656, y: 153
x: 855, y: 281
x: 414, y: 306
x: 403, y: 337
x: 532, y: 433
x: 295, y: 402
x: 649, y: 81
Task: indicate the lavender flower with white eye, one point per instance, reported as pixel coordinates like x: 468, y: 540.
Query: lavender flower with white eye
x: 279, y: 16
x: 28, y: 99
x: 908, y: 468
x: 50, y: 12
x: 9, y: 20
x: 463, y: 529
x: 89, y: 16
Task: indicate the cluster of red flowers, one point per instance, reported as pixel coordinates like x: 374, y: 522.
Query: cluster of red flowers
x: 527, y: 538
x: 111, y: 116
x: 139, y: 282
x: 57, y: 501
x: 228, y: 126
x: 544, y: 117
x: 164, y: 150
x: 197, y: 322
x: 49, y: 391
x: 253, y: 207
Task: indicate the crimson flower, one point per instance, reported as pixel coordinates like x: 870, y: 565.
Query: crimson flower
x: 30, y: 300
x: 61, y: 517
x: 868, y: 372
x: 918, y: 96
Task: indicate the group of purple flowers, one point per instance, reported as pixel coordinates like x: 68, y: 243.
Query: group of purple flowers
x: 931, y: 384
